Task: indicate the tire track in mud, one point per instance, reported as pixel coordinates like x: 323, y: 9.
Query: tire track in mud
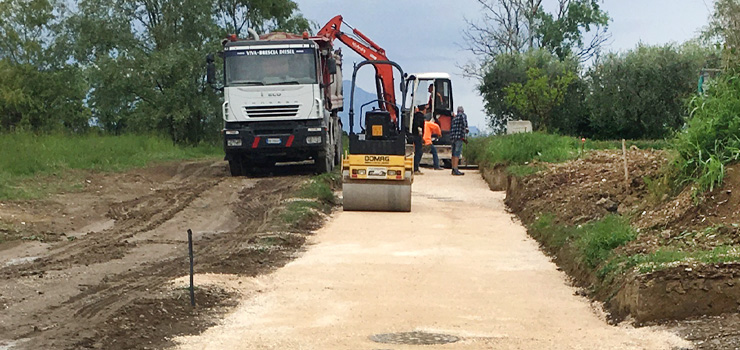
x: 90, y: 314
x: 131, y: 218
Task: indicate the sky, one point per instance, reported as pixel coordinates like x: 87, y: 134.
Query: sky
x: 427, y: 35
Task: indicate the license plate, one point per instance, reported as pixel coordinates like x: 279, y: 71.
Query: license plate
x: 273, y: 141
x: 377, y: 173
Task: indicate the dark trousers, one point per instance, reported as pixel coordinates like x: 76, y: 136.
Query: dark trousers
x: 435, y: 156
x: 418, y: 150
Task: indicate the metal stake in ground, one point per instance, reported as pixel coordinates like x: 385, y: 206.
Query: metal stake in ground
x: 190, y: 251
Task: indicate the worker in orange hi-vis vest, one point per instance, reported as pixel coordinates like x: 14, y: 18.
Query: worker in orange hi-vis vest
x: 430, y: 129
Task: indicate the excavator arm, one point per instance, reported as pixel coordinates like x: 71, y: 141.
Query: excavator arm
x: 370, y: 51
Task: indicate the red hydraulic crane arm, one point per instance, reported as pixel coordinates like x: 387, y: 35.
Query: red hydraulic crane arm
x: 370, y: 51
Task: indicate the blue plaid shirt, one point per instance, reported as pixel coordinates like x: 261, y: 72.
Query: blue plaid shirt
x: 459, y: 127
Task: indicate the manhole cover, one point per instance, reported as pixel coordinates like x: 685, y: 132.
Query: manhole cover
x: 414, y: 338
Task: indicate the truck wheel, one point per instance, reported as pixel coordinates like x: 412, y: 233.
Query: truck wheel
x: 338, y: 152
x: 324, y: 162
x: 236, y: 166
x: 447, y: 163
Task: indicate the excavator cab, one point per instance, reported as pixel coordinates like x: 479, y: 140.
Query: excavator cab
x: 434, y: 90
x: 377, y: 173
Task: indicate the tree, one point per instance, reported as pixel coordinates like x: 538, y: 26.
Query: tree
x: 516, y: 26
x: 563, y: 33
x: 261, y: 15
x: 129, y: 65
x: 537, y: 98
x: 642, y: 93
x: 25, y: 29
x: 39, y: 91
x: 509, y: 76
x: 149, y: 76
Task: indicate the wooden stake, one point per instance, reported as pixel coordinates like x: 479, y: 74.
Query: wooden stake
x: 626, y: 172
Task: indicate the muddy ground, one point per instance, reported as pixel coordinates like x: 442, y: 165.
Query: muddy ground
x: 585, y: 189
x: 94, y: 268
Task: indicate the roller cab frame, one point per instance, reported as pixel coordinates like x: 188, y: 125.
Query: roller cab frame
x: 377, y: 173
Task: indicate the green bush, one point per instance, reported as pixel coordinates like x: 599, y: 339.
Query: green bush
x: 568, y: 115
x: 641, y: 93
x: 711, y: 139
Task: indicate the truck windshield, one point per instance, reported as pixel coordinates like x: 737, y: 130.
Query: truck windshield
x: 270, y: 67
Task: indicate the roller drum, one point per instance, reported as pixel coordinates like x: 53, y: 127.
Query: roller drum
x: 374, y: 195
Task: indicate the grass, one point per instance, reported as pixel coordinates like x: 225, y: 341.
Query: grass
x: 711, y: 138
x: 597, y: 239
x: 548, y: 232
x: 316, y: 195
x: 524, y: 170
x: 593, y: 242
x: 299, y: 211
x: 617, y: 144
x: 595, y: 245
x: 10, y: 233
x: 321, y: 187
x: 666, y: 258
x: 32, y: 166
x: 517, y: 151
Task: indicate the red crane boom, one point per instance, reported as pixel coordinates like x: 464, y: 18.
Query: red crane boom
x: 370, y: 51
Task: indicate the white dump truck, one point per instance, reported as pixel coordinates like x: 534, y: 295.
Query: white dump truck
x: 282, y: 93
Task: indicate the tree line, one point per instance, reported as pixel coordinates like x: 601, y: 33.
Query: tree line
x: 547, y: 65
x: 122, y: 65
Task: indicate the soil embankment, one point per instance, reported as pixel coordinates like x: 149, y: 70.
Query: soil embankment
x: 583, y: 190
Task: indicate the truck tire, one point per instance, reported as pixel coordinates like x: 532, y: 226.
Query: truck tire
x: 324, y: 162
x: 236, y: 166
x: 338, y: 152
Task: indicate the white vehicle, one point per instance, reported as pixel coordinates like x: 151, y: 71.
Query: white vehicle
x: 282, y: 93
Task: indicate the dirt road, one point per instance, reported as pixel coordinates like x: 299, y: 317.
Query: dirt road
x: 456, y: 269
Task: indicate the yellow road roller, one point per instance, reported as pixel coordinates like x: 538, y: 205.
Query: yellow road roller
x: 377, y: 173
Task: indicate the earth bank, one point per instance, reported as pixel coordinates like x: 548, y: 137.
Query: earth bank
x: 702, y: 232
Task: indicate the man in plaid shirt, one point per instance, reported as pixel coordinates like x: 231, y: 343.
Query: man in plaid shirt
x: 458, y: 131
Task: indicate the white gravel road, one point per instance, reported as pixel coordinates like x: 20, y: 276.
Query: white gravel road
x: 458, y: 265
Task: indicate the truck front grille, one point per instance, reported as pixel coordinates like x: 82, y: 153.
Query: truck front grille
x: 280, y: 111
